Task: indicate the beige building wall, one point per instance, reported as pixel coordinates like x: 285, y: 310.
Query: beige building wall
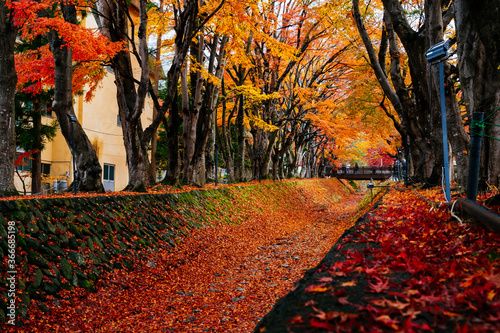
x: 99, y: 119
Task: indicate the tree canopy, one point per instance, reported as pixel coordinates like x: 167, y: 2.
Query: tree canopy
x: 277, y: 88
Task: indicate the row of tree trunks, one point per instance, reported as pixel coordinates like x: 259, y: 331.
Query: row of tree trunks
x: 131, y: 100
x: 207, y: 119
x: 186, y: 25
x: 211, y: 101
x: 191, y: 106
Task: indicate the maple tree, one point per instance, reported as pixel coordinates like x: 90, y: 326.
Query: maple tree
x: 199, y: 102
x: 295, y: 87
x: 253, y: 89
x: 50, y: 63
x: 289, y: 95
x: 258, y: 92
x: 408, y: 30
x: 29, y: 125
x: 131, y: 100
x: 404, y: 106
x: 68, y: 43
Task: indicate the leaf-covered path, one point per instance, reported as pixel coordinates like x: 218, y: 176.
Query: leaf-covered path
x: 221, y: 279
x: 407, y: 266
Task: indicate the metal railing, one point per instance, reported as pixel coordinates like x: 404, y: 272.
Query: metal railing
x: 363, y: 172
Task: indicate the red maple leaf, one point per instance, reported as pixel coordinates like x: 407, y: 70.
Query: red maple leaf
x: 380, y: 286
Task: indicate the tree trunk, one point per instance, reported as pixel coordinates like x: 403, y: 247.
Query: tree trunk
x: 478, y: 32
x: 211, y: 142
x: 88, y: 176
x: 458, y: 139
x: 173, y: 125
x: 297, y: 158
x: 410, y: 124
x: 155, y: 111
x: 206, y: 119
x: 130, y: 98
x: 266, y: 157
x: 211, y: 99
x: 239, y: 162
x: 275, y: 168
x: 191, y: 108
x: 227, y: 151
x: 36, y: 164
x: 398, y: 93
x: 184, y: 29
x: 8, y: 80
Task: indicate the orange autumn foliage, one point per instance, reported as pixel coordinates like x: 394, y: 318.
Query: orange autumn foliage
x: 35, y: 67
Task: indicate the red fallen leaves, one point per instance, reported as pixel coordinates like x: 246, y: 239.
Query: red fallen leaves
x: 223, y: 277
x: 380, y: 286
x: 317, y: 288
x: 296, y: 320
x: 348, y: 284
x: 426, y: 272
x: 330, y: 315
x: 386, y: 320
x: 391, y: 304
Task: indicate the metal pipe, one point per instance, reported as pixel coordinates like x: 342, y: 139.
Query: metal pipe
x: 474, y: 155
x: 480, y: 213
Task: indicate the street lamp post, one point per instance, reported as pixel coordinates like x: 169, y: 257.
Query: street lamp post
x: 216, y: 166
x: 72, y: 119
x: 438, y: 53
x: 259, y: 158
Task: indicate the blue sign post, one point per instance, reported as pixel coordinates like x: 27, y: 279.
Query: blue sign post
x: 438, y: 53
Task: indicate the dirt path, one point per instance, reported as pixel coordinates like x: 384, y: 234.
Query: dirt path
x: 221, y: 279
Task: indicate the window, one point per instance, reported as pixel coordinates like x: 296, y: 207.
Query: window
x: 109, y: 172
x: 25, y: 164
x: 46, y: 169
x: 109, y: 177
